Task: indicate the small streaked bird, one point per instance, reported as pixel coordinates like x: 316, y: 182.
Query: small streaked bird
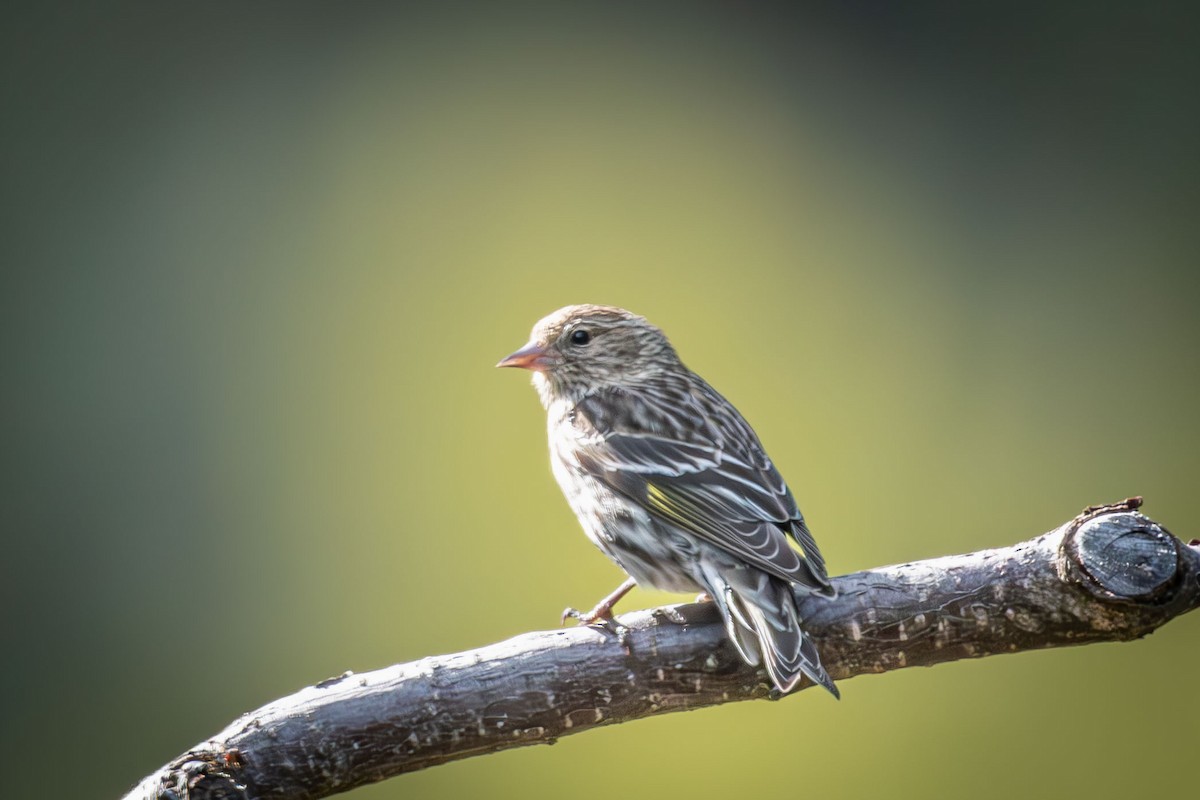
x: 672, y: 484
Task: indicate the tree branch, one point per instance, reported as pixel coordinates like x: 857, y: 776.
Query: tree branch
x: 1109, y: 574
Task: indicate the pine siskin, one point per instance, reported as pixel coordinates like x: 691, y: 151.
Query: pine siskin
x: 672, y: 484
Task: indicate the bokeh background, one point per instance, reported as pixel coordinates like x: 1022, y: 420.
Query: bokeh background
x: 259, y: 260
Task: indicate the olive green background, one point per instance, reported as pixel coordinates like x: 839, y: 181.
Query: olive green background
x: 258, y: 263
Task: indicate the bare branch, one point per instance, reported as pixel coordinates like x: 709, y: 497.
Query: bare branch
x: 1109, y: 574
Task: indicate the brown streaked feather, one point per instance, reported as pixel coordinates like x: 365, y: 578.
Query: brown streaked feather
x: 723, y: 487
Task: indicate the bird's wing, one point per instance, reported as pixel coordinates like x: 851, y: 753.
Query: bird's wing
x: 713, y: 479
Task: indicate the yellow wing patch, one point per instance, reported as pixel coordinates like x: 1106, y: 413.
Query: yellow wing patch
x: 674, y: 508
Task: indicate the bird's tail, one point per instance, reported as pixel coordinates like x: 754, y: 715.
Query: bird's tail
x: 764, y: 625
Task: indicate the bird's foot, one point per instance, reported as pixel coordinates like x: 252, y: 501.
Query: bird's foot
x: 599, y: 614
x: 671, y: 614
x: 600, y: 617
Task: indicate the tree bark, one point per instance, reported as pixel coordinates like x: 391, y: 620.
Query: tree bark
x: 1109, y: 574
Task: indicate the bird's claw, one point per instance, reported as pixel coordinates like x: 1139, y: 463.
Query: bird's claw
x: 599, y: 618
x: 671, y: 614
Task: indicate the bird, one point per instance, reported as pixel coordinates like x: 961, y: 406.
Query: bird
x: 671, y: 483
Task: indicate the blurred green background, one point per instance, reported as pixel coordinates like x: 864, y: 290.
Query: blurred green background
x: 259, y: 260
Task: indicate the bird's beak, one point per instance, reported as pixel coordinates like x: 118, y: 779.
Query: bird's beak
x: 532, y: 356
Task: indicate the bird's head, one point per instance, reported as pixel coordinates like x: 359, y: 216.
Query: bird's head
x: 579, y: 349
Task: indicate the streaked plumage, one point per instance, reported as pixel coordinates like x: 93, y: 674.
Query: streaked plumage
x: 672, y: 484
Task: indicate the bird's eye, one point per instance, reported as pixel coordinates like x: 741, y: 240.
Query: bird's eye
x: 580, y: 337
